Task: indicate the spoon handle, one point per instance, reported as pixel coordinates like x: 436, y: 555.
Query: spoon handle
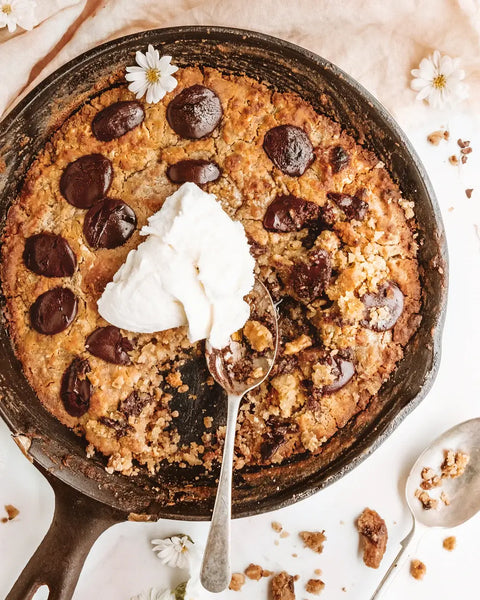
x: 405, y: 543
x: 215, y: 574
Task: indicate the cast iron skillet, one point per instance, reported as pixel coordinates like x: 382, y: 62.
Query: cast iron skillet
x: 88, y: 500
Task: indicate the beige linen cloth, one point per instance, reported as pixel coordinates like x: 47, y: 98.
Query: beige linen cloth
x: 376, y: 41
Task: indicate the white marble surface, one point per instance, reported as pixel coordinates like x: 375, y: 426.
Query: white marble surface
x: 121, y: 562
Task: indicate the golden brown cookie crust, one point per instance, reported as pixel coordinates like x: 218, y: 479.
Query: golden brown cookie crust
x: 363, y: 253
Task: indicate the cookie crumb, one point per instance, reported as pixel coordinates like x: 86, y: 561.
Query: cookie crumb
x: 284, y: 534
x: 237, y: 581
x: 454, y: 463
x: 437, y: 136
x: 295, y: 555
x: 276, y: 526
x: 283, y: 587
x: 450, y: 543
x: 374, y: 536
x: 256, y: 572
x: 313, y: 540
x: 469, y: 192
x: 12, y: 512
x: 445, y: 499
x: 318, y: 571
x: 314, y: 586
x: 417, y: 569
x: 259, y: 337
x: 453, y: 160
x: 427, y: 501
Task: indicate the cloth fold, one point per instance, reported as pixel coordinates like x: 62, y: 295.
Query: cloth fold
x: 376, y: 41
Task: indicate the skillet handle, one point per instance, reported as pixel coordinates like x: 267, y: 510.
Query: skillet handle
x: 77, y: 523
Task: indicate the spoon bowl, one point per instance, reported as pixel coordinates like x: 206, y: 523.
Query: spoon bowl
x: 462, y: 492
x: 238, y: 368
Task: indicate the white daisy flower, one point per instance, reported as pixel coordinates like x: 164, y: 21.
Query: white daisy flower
x: 154, y: 594
x: 17, y: 12
x: 438, y: 80
x: 152, y: 77
x: 174, y: 551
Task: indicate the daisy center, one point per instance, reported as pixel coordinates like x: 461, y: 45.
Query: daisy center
x: 152, y: 75
x: 7, y: 9
x: 439, y: 82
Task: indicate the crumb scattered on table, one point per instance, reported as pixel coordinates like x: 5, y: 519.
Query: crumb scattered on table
x: 314, y: 586
x: 469, y: 192
x: 449, y: 543
x: 256, y: 572
x: 283, y: 586
x: 437, y: 136
x: 237, y: 581
x: 313, y: 540
x: 374, y: 536
x: 12, y: 512
x: 276, y: 526
x: 417, y: 569
x: 318, y: 571
x: 453, y: 160
x: 284, y: 534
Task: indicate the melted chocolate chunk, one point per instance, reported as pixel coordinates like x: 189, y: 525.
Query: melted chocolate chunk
x: 342, y: 369
x: 109, y: 223
x: 108, y: 344
x: 53, y: 311
x: 289, y: 148
x: 195, y: 112
x: 309, y: 280
x: 289, y: 213
x: 133, y: 404
x: 76, y: 388
x: 121, y: 428
x: 339, y: 159
x: 389, y: 301
x: 275, y: 437
x: 49, y: 255
x: 86, y: 180
x: 353, y: 206
x: 199, y: 171
x: 118, y: 118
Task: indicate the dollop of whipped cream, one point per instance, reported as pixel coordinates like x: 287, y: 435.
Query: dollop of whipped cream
x: 193, y: 269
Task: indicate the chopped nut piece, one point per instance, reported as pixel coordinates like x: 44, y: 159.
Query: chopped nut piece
x: 255, y: 572
x: 445, y: 499
x: 427, y: 501
x: 436, y: 137
x: 283, y: 587
x: 297, y: 345
x: 12, y: 512
x: 314, y: 586
x: 237, y: 581
x: 450, y: 543
x: 454, y: 463
x: 469, y: 192
x: 464, y: 158
x: 374, y: 536
x: 276, y: 526
x: 466, y: 150
x: 417, y: 569
x: 446, y: 135
x: 453, y: 160
x: 259, y: 336
x: 463, y: 143
x: 313, y: 540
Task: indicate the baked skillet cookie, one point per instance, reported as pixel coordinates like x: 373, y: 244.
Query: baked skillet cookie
x: 333, y: 239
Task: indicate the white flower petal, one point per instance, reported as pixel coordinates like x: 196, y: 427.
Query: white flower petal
x: 436, y: 59
x: 136, y: 76
x: 141, y: 59
x: 427, y: 69
x: 419, y: 84
x: 424, y: 92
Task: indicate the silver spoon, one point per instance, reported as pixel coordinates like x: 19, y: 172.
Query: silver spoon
x: 215, y: 573
x: 463, y: 492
